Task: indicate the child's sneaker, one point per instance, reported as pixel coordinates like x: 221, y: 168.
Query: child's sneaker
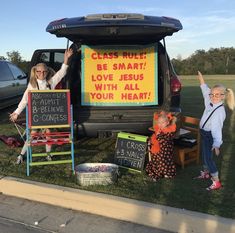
x: 215, y: 185
x: 49, y: 157
x: 19, y: 159
x: 203, y: 175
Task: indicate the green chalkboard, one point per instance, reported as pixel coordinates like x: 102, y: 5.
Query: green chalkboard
x: 49, y: 109
x: 131, y: 150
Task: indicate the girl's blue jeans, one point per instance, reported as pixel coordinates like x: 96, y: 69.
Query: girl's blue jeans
x: 207, y: 154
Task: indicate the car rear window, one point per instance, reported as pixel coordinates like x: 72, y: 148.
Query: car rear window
x: 17, y: 73
x: 5, y: 73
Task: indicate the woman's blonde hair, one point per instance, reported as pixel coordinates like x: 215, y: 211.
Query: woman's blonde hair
x: 229, y: 95
x: 33, y: 75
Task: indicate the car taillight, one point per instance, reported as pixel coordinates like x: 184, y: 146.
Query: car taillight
x: 175, y: 85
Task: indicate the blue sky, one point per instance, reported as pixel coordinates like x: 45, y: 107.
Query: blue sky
x: 206, y: 23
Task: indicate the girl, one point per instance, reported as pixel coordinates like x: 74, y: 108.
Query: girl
x: 211, y: 125
x: 162, y: 162
x: 41, y: 78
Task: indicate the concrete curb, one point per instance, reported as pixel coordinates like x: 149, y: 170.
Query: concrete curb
x: 163, y: 217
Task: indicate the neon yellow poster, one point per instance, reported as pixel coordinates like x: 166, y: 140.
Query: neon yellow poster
x: 119, y: 76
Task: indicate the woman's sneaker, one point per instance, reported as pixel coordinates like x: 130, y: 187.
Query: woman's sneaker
x: 215, y: 185
x: 19, y: 159
x: 203, y: 175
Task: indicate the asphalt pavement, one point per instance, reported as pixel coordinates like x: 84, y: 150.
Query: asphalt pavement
x: 118, y: 213
x: 12, y: 226
x: 23, y: 216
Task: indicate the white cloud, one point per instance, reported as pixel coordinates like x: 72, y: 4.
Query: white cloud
x: 204, y: 32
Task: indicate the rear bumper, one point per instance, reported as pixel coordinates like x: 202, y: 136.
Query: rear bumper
x: 98, y: 127
x: 102, y: 129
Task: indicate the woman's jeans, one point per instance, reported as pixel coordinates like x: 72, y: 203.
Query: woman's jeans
x: 207, y: 153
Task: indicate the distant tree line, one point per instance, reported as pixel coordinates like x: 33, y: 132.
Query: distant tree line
x: 214, y: 61
x: 16, y: 58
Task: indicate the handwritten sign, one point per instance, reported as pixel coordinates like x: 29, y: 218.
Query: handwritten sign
x: 130, y: 150
x: 49, y: 109
x: 119, y: 76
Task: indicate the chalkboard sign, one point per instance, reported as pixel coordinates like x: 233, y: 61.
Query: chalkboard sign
x: 130, y: 150
x: 49, y: 109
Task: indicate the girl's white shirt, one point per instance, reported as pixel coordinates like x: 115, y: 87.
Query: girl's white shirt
x: 216, y: 121
x: 43, y: 85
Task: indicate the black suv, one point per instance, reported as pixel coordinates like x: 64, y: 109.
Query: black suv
x: 104, y: 38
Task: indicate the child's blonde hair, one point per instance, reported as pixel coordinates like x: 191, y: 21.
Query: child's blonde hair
x: 166, y: 116
x: 163, y: 115
x: 229, y: 95
x: 33, y: 76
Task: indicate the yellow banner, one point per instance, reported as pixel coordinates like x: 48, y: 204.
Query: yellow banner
x: 119, y: 76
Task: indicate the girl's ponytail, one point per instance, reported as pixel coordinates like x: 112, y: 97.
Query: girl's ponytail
x: 230, y: 98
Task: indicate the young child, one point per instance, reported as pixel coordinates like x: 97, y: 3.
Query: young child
x: 162, y: 163
x: 41, y: 78
x: 211, y: 125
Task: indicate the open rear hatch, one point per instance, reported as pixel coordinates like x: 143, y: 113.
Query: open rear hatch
x: 114, y: 28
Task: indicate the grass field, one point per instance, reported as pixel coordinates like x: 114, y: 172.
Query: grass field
x: 182, y: 192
